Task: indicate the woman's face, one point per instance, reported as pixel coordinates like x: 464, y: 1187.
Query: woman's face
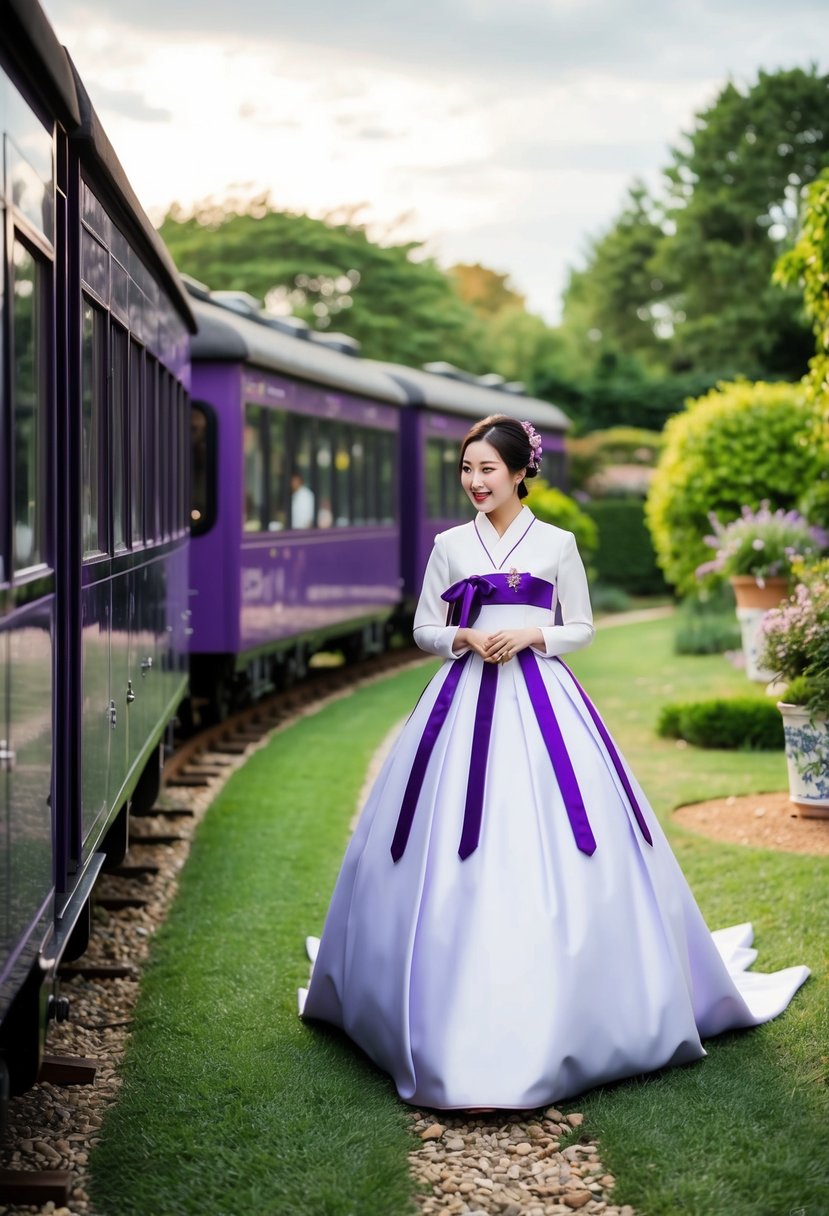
x: 486, y: 479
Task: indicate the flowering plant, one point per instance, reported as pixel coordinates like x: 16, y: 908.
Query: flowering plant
x: 761, y: 543
x: 795, y: 638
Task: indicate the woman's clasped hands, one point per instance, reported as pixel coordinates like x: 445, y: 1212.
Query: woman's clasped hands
x: 497, y: 647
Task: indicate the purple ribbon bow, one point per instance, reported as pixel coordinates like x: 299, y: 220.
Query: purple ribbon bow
x: 468, y: 593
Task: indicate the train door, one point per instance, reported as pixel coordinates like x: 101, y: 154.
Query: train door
x: 97, y: 719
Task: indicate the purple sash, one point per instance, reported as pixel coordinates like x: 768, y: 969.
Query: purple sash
x: 466, y: 599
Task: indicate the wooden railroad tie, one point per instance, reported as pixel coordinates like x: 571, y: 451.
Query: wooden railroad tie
x: 167, y: 812
x: 102, y: 971
x: 35, y: 1187
x: 155, y: 838
x: 68, y: 1070
x: 116, y: 903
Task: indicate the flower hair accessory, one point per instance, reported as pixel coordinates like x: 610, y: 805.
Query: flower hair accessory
x: 536, y: 450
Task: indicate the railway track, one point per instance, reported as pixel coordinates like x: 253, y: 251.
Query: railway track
x: 53, y: 1128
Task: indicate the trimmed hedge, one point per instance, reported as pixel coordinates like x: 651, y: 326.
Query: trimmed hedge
x: 742, y: 723
x: 625, y: 557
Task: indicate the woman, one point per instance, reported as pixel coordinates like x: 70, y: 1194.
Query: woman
x: 510, y: 927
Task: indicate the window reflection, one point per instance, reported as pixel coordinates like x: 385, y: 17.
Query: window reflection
x: 277, y: 509
x: 254, y: 474
x: 119, y: 403
x: 29, y: 403
x: 303, y: 498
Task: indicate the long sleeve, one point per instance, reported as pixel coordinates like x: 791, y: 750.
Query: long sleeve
x: 577, y: 630
x: 431, y: 632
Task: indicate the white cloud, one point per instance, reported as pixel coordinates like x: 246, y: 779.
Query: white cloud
x: 505, y: 131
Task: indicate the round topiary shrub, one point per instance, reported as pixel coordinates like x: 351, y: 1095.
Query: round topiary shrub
x: 739, y: 723
x: 736, y: 446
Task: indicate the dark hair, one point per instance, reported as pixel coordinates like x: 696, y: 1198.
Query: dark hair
x: 510, y: 441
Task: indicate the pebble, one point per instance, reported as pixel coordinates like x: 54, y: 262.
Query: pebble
x: 433, y: 1132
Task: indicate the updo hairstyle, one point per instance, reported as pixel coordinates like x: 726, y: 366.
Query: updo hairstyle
x: 510, y: 441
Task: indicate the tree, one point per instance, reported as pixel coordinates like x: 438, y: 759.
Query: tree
x: 734, y: 195
x: 399, y: 304
x: 679, y: 289
x: 807, y: 267
x: 485, y: 290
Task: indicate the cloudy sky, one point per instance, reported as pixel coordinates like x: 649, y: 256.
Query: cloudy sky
x: 500, y: 131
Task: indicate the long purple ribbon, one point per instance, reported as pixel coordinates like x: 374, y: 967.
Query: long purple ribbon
x: 436, y: 719
x: 474, y: 808
x: 614, y: 756
x: 554, y: 742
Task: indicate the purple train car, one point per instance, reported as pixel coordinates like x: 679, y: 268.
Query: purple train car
x: 444, y: 404
x: 94, y: 423
x: 296, y: 540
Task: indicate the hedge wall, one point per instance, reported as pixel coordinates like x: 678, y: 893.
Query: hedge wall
x: 625, y: 556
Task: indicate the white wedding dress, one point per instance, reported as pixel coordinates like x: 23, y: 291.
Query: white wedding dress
x: 510, y: 926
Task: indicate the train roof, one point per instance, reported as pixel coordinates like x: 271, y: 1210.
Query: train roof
x: 49, y: 67
x: 233, y: 328
x: 455, y: 392
x: 226, y: 334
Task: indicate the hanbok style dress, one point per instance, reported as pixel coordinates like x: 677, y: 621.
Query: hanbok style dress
x: 510, y: 927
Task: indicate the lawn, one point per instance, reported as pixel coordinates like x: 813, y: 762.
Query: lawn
x: 231, y: 1105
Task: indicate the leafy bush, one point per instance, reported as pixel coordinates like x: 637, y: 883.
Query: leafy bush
x: 742, y: 723
x: 587, y: 454
x: 705, y: 623
x: 609, y: 599
x: 625, y: 556
x: 553, y: 507
x: 738, y: 445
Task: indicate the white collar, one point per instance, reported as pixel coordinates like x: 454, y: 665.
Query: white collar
x: 500, y: 547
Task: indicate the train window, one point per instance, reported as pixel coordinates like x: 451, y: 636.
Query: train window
x: 167, y: 452
x: 277, y: 481
x: 182, y: 479
x: 342, y: 476
x: 358, y: 474
x: 325, y: 474
x: 29, y: 409
x: 254, y: 488
x: 303, y: 489
x: 136, y: 395
x: 118, y: 357
x: 29, y: 390
x: 92, y: 383
x: 202, y: 468
x: 385, y: 464
x: 434, y: 478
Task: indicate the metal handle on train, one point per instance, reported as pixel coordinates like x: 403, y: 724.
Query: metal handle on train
x: 7, y: 757
x: 130, y: 693
x: 113, y: 715
x: 146, y: 665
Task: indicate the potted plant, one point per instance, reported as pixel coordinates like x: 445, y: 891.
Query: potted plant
x: 796, y: 647
x: 755, y: 553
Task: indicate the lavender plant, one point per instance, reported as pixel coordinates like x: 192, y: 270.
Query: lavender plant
x: 761, y: 543
x: 796, y: 638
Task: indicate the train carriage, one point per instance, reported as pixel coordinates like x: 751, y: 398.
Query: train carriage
x: 296, y: 540
x: 93, y: 528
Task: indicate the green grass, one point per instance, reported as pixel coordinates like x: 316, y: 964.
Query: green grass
x: 232, y: 1106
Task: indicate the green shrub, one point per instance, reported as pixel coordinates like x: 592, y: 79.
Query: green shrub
x: 587, y: 454
x: 625, y: 557
x: 609, y: 599
x: 707, y: 624
x: 736, y: 446
x: 553, y: 507
x: 743, y: 723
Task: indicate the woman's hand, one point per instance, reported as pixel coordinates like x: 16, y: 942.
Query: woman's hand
x: 471, y: 639
x: 506, y: 643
